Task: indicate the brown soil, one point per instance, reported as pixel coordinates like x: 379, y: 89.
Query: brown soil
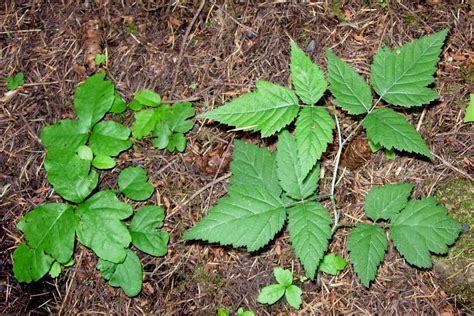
x: 166, y: 46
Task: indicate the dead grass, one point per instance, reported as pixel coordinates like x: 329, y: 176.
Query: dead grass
x: 227, y: 48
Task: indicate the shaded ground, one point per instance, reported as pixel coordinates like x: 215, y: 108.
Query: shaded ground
x: 228, y: 47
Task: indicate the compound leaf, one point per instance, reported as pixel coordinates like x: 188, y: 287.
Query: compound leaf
x: 423, y: 227
x: 314, y: 128
x: 309, y: 227
x: 145, y: 122
x: 387, y: 200
x: 268, y: 109
x: 332, y: 264
x: 306, y: 76
x: 127, y: 275
x: 400, y: 76
x: 109, y: 138
x: 93, y: 99
x: 367, y: 245
x: 65, y: 135
x: 390, y: 129
x: 250, y: 216
x: 133, y: 182
x: 70, y: 175
x: 289, y: 169
x: 148, y: 97
x: 293, y: 296
x: 30, y: 264
x: 100, y: 226
x: 145, y: 232
x: 350, y: 90
x: 270, y: 294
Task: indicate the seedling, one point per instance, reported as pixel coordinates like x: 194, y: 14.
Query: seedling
x: 13, y: 82
x: 100, y: 59
x: 270, y: 294
x: 267, y: 188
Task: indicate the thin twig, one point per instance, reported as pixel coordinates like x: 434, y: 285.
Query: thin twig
x: 449, y: 165
x: 190, y: 99
x: 183, y: 46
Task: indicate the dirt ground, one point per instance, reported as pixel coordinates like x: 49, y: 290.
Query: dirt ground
x: 213, y: 51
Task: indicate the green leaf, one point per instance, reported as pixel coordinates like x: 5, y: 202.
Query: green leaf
x: 250, y: 216
x: 30, y: 264
x: 50, y: 228
x: 103, y: 162
x: 55, y: 270
x: 400, y: 76
x: 145, y: 122
x: 351, y: 91
x: 306, y: 76
x: 177, y: 141
x: 70, y: 175
x: 85, y: 153
x: 145, y: 232
x: 93, y: 99
x: 283, y: 276
x: 64, y: 135
x: 135, y: 106
x: 332, y: 264
x: 242, y: 312
x: 119, y: 105
x: 127, y: 275
x: 133, y: 183
x: 177, y: 117
x: 109, y: 138
x: 293, y: 296
x: 252, y: 165
x: 423, y: 227
x: 469, y: 114
x: 390, y: 129
x: 100, y: 227
x: 162, y: 135
x: 383, y: 202
x: 223, y: 312
x: 100, y: 59
x: 314, y: 131
x: 13, y: 82
x: 367, y: 245
x: 309, y: 227
x: 268, y: 109
x: 148, y: 97
x: 270, y: 294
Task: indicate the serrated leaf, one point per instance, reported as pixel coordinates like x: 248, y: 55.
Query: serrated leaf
x: 250, y: 216
x: 109, y: 138
x: 332, y: 264
x: 119, y: 105
x: 65, y: 135
x: 400, y: 76
x: 270, y: 294
x: 145, y: 231
x: 103, y: 162
x: 306, y: 76
x: 283, y: 276
x: 133, y: 182
x: 383, y: 202
x: 70, y: 176
x: 314, y: 131
x: 127, y: 275
x: 100, y: 226
x: 390, y: 129
x: 309, y: 227
x: 93, y: 99
x: 145, y: 122
x: 421, y: 228
x: 367, y: 245
x: 293, y: 296
x: 252, y: 165
x: 350, y: 90
x: 30, y: 264
x: 51, y: 228
x: 148, y: 97
x: 268, y: 109
x: 289, y: 171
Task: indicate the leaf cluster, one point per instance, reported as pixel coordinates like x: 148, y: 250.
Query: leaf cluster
x: 270, y: 294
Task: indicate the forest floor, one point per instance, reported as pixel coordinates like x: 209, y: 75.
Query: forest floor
x: 214, y: 53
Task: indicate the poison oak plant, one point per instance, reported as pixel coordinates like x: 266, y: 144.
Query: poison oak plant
x: 97, y: 219
x: 266, y: 189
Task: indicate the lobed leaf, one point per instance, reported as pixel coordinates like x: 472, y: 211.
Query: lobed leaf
x: 64, y: 135
x: 30, y: 264
x: 283, y: 276
x: 133, y: 183
x: 145, y: 232
x: 109, y: 138
x: 383, y: 202
x: 270, y: 294
x: 148, y: 97
x: 332, y: 264
x: 367, y: 245
x: 145, y: 122
x: 293, y: 296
